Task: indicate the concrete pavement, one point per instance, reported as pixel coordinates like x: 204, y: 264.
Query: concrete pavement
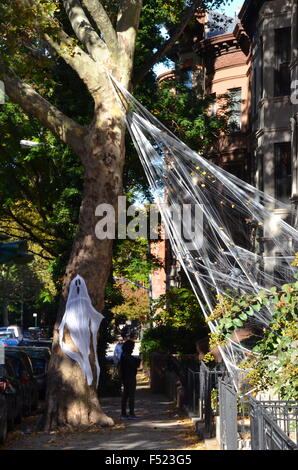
x: 158, y: 427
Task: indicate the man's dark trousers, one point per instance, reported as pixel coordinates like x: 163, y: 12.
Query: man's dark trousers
x: 129, y: 390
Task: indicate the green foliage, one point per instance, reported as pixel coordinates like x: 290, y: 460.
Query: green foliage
x: 22, y: 292
x: 179, y: 308
x: 186, y: 114
x: 15, y: 251
x: 273, y: 362
x: 133, y: 261
x: 19, y: 282
x: 40, y: 187
x: 169, y: 339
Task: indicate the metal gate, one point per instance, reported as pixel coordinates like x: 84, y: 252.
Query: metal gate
x: 273, y: 425
x: 228, y: 414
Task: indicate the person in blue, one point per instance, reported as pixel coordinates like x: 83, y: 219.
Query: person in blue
x: 118, y: 351
x: 128, y: 372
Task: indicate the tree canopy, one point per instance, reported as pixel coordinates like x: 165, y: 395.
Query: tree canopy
x: 56, y: 57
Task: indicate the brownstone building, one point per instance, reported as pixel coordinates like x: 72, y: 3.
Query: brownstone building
x: 255, y: 61
x: 213, y: 60
x: 272, y: 29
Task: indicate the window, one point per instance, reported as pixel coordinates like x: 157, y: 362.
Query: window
x: 235, y: 118
x: 282, y: 75
x: 213, y: 105
x: 283, y: 171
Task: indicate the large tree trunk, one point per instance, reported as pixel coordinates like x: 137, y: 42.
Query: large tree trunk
x: 70, y: 401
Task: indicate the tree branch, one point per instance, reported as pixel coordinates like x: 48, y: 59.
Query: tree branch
x: 33, y: 103
x: 187, y: 16
x: 65, y: 46
x: 31, y: 234
x: 103, y: 23
x: 84, y: 31
x: 76, y: 58
x: 127, y: 28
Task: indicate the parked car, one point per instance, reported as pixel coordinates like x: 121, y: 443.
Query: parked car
x: 34, y: 331
x: 8, y: 338
x: 33, y: 342
x: 27, y: 334
x: 23, y: 367
x: 11, y: 399
x: 40, y: 357
x: 3, y: 409
x: 17, y: 330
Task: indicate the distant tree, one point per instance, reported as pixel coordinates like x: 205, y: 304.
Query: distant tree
x: 18, y: 284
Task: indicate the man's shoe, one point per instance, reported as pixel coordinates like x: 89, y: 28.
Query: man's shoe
x: 132, y: 417
x: 123, y: 417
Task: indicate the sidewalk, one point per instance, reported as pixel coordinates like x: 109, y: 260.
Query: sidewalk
x: 160, y: 426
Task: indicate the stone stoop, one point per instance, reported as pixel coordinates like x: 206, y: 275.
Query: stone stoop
x: 214, y: 442
x: 209, y: 443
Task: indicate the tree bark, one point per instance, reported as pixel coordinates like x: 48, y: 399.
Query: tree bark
x: 70, y: 401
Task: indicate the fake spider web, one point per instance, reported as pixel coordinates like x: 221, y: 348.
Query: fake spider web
x: 248, y: 239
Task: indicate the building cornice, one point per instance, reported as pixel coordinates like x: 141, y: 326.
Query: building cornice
x: 225, y: 43
x: 221, y: 44
x: 230, y: 77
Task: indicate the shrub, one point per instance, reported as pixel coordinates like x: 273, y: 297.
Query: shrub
x: 170, y: 340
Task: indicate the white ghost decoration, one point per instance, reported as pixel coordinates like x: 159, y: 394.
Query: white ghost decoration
x: 83, y: 322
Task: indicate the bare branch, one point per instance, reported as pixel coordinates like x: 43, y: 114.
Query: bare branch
x: 103, y: 23
x: 187, y: 16
x: 84, y: 31
x: 33, y: 103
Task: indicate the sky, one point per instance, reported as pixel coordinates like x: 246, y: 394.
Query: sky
x: 229, y: 10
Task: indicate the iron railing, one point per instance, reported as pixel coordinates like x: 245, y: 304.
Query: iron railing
x: 193, y: 391
x: 228, y: 414
x: 274, y: 425
x: 200, y: 385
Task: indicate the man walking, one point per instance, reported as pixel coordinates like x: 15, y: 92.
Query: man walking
x: 128, y: 371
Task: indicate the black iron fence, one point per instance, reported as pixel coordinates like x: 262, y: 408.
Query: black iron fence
x: 193, y: 391
x: 243, y: 421
x: 228, y: 414
x: 274, y: 425
x: 202, y: 387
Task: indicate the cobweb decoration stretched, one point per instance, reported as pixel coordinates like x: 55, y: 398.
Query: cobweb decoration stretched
x: 248, y: 238
x: 82, y: 322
